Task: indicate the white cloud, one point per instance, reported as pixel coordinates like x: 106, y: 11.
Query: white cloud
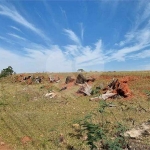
x: 121, y: 54
x: 52, y: 59
x: 72, y: 50
x: 138, y: 33
x: 57, y: 61
x: 6, y: 40
x: 143, y: 54
x: 2, y: 38
x: 12, y: 13
x: 83, y: 56
x: 19, y: 63
x: 137, y: 39
x: 82, y: 30
x: 16, y: 28
x: 64, y: 16
x: 16, y: 36
x: 72, y: 36
x: 86, y: 56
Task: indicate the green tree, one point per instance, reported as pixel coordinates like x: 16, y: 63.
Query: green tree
x: 6, y: 72
x: 80, y: 70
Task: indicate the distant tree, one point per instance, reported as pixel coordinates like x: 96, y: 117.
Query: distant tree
x: 80, y: 70
x: 6, y: 72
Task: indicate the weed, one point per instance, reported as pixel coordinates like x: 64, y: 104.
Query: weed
x: 98, y: 134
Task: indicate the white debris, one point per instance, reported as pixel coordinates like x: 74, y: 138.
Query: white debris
x: 50, y: 95
x: 105, y: 96
x: 136, y: 132
x: 86, y: 89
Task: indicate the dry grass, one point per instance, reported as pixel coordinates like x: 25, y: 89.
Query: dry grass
x: 26, y: 112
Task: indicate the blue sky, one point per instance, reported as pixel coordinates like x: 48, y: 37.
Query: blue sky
x: 63, y: 36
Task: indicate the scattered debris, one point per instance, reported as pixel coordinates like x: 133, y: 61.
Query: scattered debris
x: 105, y: 96
x: 38, y: 79
x: 52, y: 79
x: 81, y: 79
x: 58, y: 80
x: 69, y: 79
x: 115, y: 88
x: 22, y: 78
x: 142, y: 130
x: 85, y: 88
x: 63, y: 88
x: 50, y: 95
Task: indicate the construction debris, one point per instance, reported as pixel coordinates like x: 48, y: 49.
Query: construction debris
x: 105, y: 96
x: 69, y: 79
x: 63, y: 88
x: 52, y: 79
x: 85, y: 88
x: 50, y: 95
x: 114, y: 88
x: 142, y: 130
x: 81, y: 79
x: 38, y: 79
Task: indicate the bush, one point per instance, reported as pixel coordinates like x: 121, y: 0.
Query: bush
x: 6, y: 72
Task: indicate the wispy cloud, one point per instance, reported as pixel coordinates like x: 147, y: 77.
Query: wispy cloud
x: 143, y: 54
x: 16, y: 36
x: 72, y: 36
x: 13, y: 14
x: 82, y: 30
x: 53, y: 58
x: 86, y: 56
x: 74, y: 54
x: 2, y: 38
x: 48, y: 60
x: 137, y: 38
x: 91, y: 56
x: 16, y: 28
x: 140, y: 26
x: 72, y: 50
x: 6, y: 40
x: 121, y: 54
x: 64, y: 16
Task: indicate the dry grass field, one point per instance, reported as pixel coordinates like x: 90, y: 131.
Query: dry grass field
x: 31, y: 121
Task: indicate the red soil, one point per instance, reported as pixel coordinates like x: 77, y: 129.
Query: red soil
x: 4, y: 146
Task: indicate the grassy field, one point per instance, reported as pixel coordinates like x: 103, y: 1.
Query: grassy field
x: 25, y: 113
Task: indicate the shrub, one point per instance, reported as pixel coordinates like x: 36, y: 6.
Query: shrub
x: 98, y: 135
x: 6, y: 72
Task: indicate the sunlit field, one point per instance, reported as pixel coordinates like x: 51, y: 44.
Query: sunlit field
x: 31, y: 121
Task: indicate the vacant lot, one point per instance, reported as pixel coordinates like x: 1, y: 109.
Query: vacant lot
x: 31, y: 121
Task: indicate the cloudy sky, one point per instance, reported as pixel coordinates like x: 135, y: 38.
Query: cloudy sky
x: 63, y: 36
